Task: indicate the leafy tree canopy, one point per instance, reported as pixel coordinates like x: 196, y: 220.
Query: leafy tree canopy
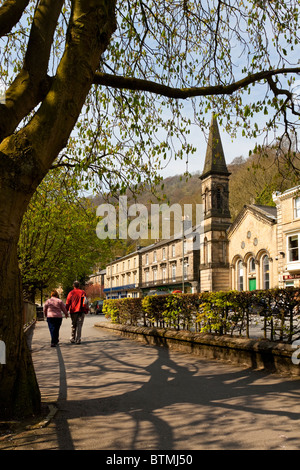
x: 237, y: 58
x: 58, y: 241
x: 99, y: 86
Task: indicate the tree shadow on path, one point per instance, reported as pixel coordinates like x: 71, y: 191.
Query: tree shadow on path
x: 165, y: 387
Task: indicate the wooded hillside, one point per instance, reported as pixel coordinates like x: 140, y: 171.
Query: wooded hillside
x: 252, y: 180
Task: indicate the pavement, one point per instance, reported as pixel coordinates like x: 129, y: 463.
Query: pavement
x: 114, y: 394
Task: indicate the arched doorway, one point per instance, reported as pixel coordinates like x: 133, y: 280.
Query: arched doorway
x: 251, y: 273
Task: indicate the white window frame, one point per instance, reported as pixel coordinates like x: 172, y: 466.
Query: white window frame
x: 185, y: 269
x: 239, y: 275
x: 265, y: 273
x: 289, y: 249
x: 297, y: 207
x: 173, y: 271
x: 252, y: 269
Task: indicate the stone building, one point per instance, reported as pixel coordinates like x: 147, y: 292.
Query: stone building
x: 288, y: 237
x: 253, y: 249
x: 214, y: 272
x: 158, y: 267
x: 123, y: 276
x: 260, y: 249
x: 171, y: 265
x: 264, y: 244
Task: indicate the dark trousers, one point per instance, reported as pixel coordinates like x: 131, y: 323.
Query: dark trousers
x: 54, y: 324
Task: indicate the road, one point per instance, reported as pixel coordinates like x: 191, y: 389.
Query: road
x: 116, y: 394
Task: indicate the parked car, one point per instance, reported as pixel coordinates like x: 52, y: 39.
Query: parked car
x: 157, y: 292
x: 97, y: 307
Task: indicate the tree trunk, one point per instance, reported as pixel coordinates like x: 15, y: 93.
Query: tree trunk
x: 25, y: 159
x: 19, y: 391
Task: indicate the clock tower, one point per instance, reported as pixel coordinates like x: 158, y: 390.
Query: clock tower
x: 214, y: 267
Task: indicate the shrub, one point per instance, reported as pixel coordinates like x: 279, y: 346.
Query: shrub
x: 229, y: 312
x: 127, y: 310
x: 111, y: 310
x: 153, y: 307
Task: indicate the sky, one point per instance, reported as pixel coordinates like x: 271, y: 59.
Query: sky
x: 232, y: 148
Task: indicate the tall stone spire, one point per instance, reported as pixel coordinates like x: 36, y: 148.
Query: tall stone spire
x: 214, y: 268
x: 214, y: 160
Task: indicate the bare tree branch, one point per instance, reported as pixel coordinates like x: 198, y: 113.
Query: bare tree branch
x: 129, y: 83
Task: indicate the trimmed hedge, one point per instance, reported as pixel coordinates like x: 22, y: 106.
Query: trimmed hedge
x: 124, y: 311
x: 232, y: 312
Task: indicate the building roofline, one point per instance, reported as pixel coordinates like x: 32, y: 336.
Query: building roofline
x: 285, y: 194
x: 194, y: 230
x: 256, y: 209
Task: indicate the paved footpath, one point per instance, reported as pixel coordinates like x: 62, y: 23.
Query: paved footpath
x: 116, y: 394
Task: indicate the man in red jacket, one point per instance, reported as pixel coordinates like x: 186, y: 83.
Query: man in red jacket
x: 76, y: 307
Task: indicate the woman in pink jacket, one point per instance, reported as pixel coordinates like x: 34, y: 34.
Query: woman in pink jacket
x: 53, y: 309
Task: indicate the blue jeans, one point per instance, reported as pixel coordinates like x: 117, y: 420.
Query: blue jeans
x: 54, y: 324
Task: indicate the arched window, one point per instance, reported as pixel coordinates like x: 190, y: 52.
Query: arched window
x: 219, y: 199
x: 205, y: 251
x: 240, y: 275
x: 252, y: 265
x: 266, y: 272
x: 251, y: 274
x: 206, y: 207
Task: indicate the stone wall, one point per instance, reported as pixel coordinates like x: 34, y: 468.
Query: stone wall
x: 257, y: 354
